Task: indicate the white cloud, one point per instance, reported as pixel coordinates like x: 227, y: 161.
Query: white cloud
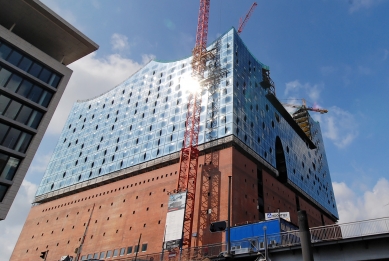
x: 356, y: 5
x: 119, y: 42
x: 339, y: 126
x: 305, y: 90
x: 371, y: 204
x: 39, y: 163
x: 11, y: 227
x: 91, y: 77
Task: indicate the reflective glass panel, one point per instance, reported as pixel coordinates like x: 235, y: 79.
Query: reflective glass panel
x: 4, y: 76
x: 35, y: 69
x: 11, y: 138
x: 3, y: 131
x: 24, y: 114
x: 25, y: 64
x: 35, y: 94
x: 4, y: 51
x: 14, y: 82
x: 4, y: 100
x: 10, y: 168
x: 24, y: 88
x: 3, y: 191
x: 14, y: 58
x: 35, y: 119
x: 13, y: 109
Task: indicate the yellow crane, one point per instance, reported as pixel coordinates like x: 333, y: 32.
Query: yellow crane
x: 300, y: 116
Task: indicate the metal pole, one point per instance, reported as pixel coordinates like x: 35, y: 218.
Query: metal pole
x: 228, y: 218
x: 163, y: 243
x: 305, y: 236
x: 265, y: 242
x: 136, y: 254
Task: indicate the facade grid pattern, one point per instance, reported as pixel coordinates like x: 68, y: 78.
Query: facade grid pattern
x: 144, y: 118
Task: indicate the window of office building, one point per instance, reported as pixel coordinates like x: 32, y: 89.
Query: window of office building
x: 25, y: 88
x: 21, y: 113
x: 8, y: 166
x: 14, y: 138
x: 3, y: 191
x: 28, y: 65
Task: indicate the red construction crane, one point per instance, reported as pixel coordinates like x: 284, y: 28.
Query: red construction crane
x: 243, y: 22
x: 189, y: 152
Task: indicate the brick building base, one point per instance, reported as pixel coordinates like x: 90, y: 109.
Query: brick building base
x: 121, y: 211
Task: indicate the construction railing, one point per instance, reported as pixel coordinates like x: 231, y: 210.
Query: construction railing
x: 284, y: 239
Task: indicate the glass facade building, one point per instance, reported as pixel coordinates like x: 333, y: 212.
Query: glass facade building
x: 143, y: 119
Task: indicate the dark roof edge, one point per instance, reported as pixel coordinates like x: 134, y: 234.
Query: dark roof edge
x: 63, y: 24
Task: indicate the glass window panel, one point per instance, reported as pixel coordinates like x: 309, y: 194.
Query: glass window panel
x: 10, y: 169
x: 25, y: 64
x: 102, y: 254
x: 83, y: 258
x: 3, y: 161
x: 23, y: 142
x: 4, y: 100
x: 4, y: 51
x: 24, y: 114
x: 90, y: 256
x: 3, y: 191
x: 45, y: 98
x: 96, y: 256
x: 3, y: 131
x: 45, y: 75
x: 35, y: 94
x: 115, y: 252
x: 35, y: 69
x: 144, y: 247
x: 109, y: 253
x: 13, y: 109
x: 54, y: 80
x: 122, y: 251
x: 129, y: 250
x: 35, y: 119
x: 24, y: 88
x: 136, y: 249
x: 4, y: 76
x: 11, y: 138
x: 14, y: 58
x: 14, y: 82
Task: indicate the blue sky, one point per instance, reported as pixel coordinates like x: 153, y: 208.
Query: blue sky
x: 333, y: 53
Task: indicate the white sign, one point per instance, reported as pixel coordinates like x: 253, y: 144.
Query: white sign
x: 175, y: 216
x: 283, y: 215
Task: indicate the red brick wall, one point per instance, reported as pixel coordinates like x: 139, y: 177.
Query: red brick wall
x: 313, y: 214
x: 278, y: 196
x: 115, y: 225
x: 127, y: 208
x: 59, y: 225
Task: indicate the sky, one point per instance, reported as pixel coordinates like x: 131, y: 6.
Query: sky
x: 332, y: 53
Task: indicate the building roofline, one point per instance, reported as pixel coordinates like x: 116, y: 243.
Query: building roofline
x: 37, y: 24
x: 62, y: 23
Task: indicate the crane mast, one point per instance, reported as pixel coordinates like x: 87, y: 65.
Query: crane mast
x: 189, y: 152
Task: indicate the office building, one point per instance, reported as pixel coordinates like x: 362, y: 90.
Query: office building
x: 36, y: 45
